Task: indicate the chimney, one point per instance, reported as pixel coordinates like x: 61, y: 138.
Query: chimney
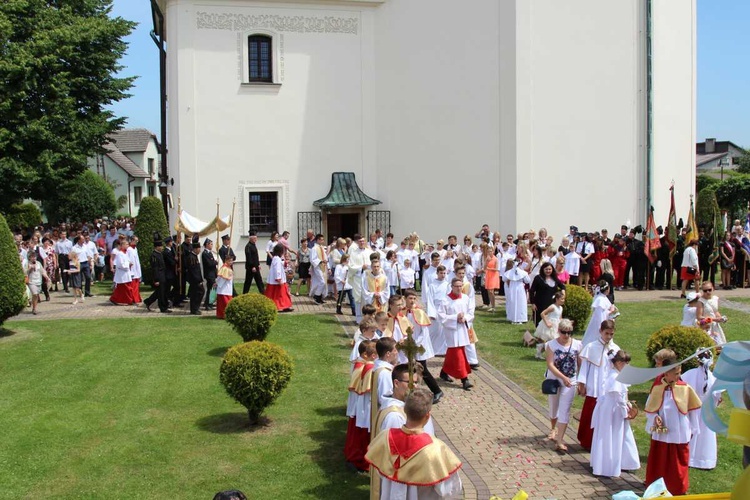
x: 710, y: 146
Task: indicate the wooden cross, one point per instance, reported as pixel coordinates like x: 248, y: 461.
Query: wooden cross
x: 410, y: 348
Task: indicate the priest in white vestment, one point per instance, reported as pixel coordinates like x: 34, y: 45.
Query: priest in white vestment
x: 319, y: 270
x: 516, y: 303
x: 357, y: 264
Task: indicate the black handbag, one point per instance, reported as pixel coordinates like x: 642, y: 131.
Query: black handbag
x: 550, y: 386
x: 692, y: 270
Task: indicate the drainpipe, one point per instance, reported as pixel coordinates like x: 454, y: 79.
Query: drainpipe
x: 649, y: 105
x: 158, y: 18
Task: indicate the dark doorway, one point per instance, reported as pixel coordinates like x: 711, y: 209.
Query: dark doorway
x: 343, y: 225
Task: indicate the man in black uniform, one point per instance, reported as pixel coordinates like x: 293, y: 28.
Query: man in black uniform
x: 210, y: 271
x: 186, y: 249
x: 226, y: 249
x: 252, y: 264
x: 172, y: 291
x: 639, y: 258
x: 194, y: 277
x: 159, y: 270
x: 678, y: 254
x: 705, y: 248
x: 663, y: 263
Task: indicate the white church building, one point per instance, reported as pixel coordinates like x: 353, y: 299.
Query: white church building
x: 433, y: 116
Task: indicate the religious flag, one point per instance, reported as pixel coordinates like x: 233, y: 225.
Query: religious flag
x: 651, y: 238
x: 692, y: 228
x: 671, y: 233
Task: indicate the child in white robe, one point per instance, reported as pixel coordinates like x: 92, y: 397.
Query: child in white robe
x: 601, y: 309
x: 613, y: 448
x: 407, y: 275
x: 703, y: 445
x: 439, y: 289
x: 516, y: 303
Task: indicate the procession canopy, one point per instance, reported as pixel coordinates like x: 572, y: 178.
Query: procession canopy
x: 188, y: 224
x: 345, y: 193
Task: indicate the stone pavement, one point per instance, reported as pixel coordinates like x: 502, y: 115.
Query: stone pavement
x: 497, y: 429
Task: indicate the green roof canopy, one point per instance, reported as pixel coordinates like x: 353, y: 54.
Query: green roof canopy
x: 345, y: 193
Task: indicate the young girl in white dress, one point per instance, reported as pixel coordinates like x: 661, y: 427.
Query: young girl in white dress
x: 613, y: 448
x: 547, y: 328
x: 601, y: 309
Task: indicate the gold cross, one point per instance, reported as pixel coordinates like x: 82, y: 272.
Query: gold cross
x: 410, y: 348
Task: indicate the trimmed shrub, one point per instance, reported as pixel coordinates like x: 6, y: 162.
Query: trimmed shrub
x: 23, y: 216
x: 12, y: 287
x: 251, y: 315
x: 150, y: 219
x: 254, y: 374
x: 683, y: 340
x: 577, y: 306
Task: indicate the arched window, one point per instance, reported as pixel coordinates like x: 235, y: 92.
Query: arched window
x: 260, y: 58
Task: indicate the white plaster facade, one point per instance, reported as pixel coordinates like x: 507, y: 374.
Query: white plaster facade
x: 515, y: 113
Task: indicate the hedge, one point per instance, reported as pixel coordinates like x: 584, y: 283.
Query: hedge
x: 577, y: 307
x: 683, y: 340
x: 251, y: 315
x: 12, y: 287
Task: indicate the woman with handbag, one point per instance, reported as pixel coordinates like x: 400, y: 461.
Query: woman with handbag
x: 726, y: 250
x: 613, y: 448
x: 562, y: 368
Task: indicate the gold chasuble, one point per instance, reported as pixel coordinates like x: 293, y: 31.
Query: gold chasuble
x: 377, y: 284
x: 412, y: 457
x: 684, y: 397
x: 403, y: 324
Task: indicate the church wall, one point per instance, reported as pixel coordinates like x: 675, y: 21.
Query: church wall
x: 437, y: 104
x: 580, y: 115
x: 674, y: 87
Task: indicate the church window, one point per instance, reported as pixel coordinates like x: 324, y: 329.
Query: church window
x: 260, y: 59
x: 264, y: 211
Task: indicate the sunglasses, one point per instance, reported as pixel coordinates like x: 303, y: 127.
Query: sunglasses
x: 566, y: 332
x: 708, y: 289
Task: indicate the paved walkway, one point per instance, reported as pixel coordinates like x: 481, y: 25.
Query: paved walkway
x: 497, y: 429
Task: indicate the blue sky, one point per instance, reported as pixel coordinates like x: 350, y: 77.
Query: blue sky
x: 723, y: 69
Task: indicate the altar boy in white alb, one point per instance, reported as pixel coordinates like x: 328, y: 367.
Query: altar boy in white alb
x: 319, y: 269
x: 455, y: 315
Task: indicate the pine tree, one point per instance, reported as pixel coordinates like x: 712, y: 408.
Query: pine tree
x: 151, y: 219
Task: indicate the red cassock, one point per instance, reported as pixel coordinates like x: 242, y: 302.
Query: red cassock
x: 136, y: 290
x: 279, y: 293
x: 122, y: 295
x: 221, y: 305
x: 670, y: 461
x: 585, y: 432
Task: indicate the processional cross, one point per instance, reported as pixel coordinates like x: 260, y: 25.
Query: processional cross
x: 410, y: 349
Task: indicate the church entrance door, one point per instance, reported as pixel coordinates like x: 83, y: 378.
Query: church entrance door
x: 342, y: 225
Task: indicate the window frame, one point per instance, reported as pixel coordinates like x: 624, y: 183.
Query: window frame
x: 268, y: 228
x: 260, y: 40
x: 276, y: 60
x: 136, y: 198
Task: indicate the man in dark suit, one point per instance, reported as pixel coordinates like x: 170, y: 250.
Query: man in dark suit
x: 193, y: 276
x: 210, y: 270
x: 172, y: 291
x: 252, y: 264
x: 226, y: 249
x: 186, y: 249
x: 159, y: 270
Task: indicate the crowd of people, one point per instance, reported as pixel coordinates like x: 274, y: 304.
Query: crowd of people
x: 413, y: 301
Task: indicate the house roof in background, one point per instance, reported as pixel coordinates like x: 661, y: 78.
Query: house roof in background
x: 124, y: 162
x: 720, y: 147
x: 702, y: 159
x: 133, y: 140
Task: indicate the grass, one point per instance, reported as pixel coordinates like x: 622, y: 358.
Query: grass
x: 132, y: 408
x: 501, y: 345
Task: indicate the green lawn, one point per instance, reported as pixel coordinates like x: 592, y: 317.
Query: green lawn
x: 133, y: 408
x: 501, y: 345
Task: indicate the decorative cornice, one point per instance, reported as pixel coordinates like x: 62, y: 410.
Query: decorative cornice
x: 291, y: 24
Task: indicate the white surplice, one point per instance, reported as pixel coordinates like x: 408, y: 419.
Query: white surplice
x: 596, y: 365
x: 702, y: 445
x: 613, y: 447
x: 516, y: 304
x: 600, y: 307
x: 456, y: 333
x: 437, y: 296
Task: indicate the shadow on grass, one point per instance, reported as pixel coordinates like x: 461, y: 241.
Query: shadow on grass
x: 230, y: 423
x: 329, y: 456
x: 219, y: 352
x: 4, y: 332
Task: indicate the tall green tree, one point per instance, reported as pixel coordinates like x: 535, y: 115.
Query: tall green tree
x: 12, y: 288
x: 151, y: 219
x: 58, y: 65
x: 85, y: 197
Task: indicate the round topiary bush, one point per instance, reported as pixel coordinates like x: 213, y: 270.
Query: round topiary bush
x: 577, y: 306
x: 12, y: 287
x: 683, y: 340
x: 251, y: 315
x: 254, y: 374
x: 150, y: 219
